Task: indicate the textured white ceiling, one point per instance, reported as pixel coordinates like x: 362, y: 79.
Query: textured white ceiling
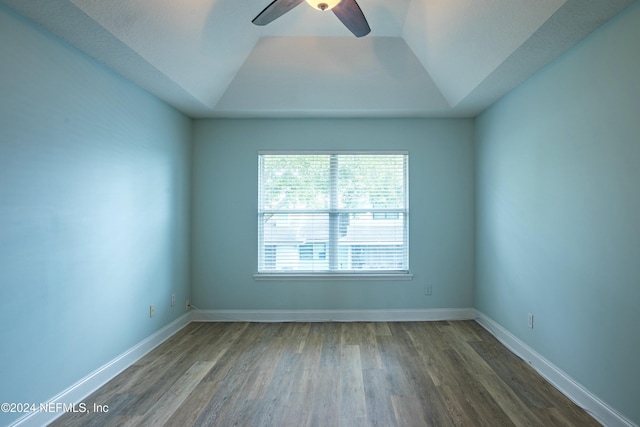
x: 331, y: 76
x: 467, y: 40
x: 423, y: 58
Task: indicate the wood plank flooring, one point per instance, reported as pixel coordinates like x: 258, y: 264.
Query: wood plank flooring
x: 330, y: 374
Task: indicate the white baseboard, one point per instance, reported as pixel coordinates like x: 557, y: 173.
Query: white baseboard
x: 572, y: 389
x: 404, y: 315
x: 83, y: 388
x: 559, y: 379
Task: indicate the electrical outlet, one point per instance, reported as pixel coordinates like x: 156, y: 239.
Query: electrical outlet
x: 173, y: 300
x: 152, y: 310
x: 427, y: 289
x: 530, y: 320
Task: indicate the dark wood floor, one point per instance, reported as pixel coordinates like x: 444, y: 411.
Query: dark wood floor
x: 330, y: 374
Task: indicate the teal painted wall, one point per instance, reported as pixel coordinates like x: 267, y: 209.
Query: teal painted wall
x: 94, y: 178
x: 558, y: 213
x: 97, y: 179
x: 224, y: 215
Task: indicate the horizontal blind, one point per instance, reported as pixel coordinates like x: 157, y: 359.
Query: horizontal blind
x: 325, y: 212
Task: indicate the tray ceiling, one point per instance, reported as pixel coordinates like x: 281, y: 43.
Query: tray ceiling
x: 423, y: 58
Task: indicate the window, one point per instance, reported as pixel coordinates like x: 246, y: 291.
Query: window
x: 333, y: 212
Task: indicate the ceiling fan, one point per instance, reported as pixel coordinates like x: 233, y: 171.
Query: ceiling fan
x: 347, y: 11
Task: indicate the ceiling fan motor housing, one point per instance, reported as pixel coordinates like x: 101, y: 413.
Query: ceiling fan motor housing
x: 323, y: 4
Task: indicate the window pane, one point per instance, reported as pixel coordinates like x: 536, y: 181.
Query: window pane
x: 295, y: 182
x: 299, y: 241
x: 374, y: 244
x: 371, y: 181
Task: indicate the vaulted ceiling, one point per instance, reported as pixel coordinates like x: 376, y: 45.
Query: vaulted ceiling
x: 423, y: 58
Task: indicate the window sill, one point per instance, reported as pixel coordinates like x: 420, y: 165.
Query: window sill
x: 333, y: 276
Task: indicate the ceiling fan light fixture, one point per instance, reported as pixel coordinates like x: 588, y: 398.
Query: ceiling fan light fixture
x: 323, y: 4
x: 347, y: 11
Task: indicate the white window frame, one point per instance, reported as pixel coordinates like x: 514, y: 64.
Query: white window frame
x: 332, y: 245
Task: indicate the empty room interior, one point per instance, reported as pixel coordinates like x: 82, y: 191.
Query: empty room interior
x: 423, y: 197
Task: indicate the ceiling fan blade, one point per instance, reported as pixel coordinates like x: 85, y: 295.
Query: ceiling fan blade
x: 275, y: 10
x: 352, y: 17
